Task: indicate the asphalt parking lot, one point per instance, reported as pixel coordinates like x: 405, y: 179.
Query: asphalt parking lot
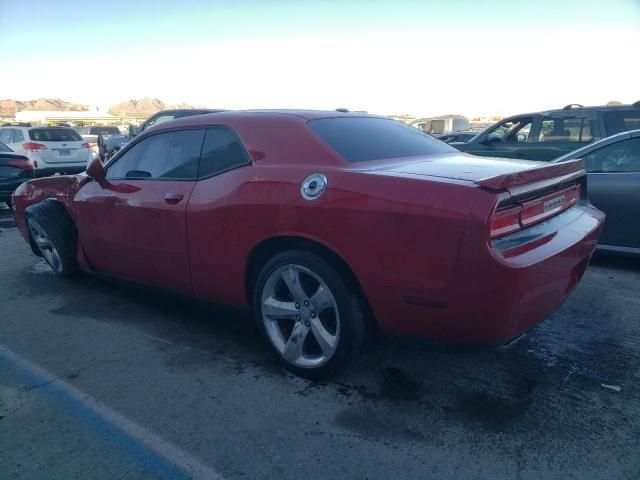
x: 106, y: 380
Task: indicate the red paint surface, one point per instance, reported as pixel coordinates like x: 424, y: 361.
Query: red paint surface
x: 412, y: 229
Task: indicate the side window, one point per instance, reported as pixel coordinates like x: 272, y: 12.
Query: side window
x: 5, y: 135
x: 17, y: 136
x: 565, y: 129
x: 621, y: 121
x: 221, y: 151
x: 513, y: 131
x: 169, y: 155
x: 622, y: 156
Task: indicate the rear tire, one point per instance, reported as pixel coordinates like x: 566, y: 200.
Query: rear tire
x: 53, y: 234
x: 313, y: 322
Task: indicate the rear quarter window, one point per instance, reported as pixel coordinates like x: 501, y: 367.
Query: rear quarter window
x: 621, y: 121
x: 54, y: 135
x: 362, y: 139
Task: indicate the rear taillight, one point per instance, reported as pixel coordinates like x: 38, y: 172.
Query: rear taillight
x: 505, y: 222
x: 33, y: 147
x: 528, y: 213
x: 22, y: 164
x: 85, y: 145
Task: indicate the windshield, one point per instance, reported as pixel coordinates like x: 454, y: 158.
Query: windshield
x: 362, y: 139
x: 104, y: 131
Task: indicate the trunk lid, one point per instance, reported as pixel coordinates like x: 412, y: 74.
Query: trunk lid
x: 491, y: 173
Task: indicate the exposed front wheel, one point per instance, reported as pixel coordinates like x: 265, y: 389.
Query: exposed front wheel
x: 313, y: 322
x: 53, y: 236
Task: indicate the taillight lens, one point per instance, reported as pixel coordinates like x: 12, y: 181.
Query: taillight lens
x: 540, y: 209
x: 33, y: 146
x: 534, y: 211
x: 86, y: 145
x: 22, y: 164
x: 505, y: 221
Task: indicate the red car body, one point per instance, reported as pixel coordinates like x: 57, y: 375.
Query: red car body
x: 413, y: 231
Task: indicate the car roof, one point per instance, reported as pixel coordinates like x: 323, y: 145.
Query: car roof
x: 262, y: 114
x: 572, y: 108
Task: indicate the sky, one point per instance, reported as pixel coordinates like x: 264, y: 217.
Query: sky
x: 474, y: 57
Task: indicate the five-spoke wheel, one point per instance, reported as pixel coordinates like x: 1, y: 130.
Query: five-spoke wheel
x: 311, y: 318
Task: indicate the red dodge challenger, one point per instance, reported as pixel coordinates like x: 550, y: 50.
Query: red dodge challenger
x: 328, y: 224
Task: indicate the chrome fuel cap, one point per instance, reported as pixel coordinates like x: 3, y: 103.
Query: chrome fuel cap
x: 313, y: 186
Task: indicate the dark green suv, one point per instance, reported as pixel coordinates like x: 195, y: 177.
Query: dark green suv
x: 548, y: 135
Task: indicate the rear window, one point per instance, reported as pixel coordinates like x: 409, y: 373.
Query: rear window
x: 54, y: 135
x: 361, y: 139
x: 4, y: 148
x: 104, y: 131
x: 621, y: 121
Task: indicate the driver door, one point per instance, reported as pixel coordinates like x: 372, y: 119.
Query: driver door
x: 134, y: 226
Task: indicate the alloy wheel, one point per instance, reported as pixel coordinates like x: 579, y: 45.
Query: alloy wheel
x: 300, y: 316
x: 45, y: 245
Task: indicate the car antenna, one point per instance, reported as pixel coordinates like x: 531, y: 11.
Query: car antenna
x: 343, y: 110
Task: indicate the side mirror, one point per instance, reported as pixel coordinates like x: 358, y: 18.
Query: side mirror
x: 96, y: 170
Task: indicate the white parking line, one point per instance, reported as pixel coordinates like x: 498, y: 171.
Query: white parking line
x: 193, y: 467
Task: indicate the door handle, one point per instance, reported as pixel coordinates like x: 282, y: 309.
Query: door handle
x: 173, y: 198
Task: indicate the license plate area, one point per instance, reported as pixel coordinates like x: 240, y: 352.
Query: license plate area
x: 64, y: 152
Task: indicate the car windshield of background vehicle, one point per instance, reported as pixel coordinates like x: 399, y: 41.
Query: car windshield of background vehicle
x: 222, y: 150
x: 622, y: 121
x: 565, y: 130
x: 159, y: 120
x: 104, y: 131
x: 361, y: 139
x: 170, y: 155
x: 54, y: 135
x: 622, y: 156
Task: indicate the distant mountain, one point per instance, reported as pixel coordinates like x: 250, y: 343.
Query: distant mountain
x: 8, y: 108
x: 144, y: 107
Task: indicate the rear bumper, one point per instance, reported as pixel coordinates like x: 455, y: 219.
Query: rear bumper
x: 494, y: 296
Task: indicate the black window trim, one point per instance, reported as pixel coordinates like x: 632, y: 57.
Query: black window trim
x: 141, y: 138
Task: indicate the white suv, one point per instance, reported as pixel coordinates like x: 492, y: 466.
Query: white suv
x: 51, y: 149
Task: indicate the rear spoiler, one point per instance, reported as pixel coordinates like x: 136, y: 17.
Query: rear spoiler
x: 571, y: 168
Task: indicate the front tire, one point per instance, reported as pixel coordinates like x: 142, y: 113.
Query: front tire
x: 311, y: 319
x: 53, y: 234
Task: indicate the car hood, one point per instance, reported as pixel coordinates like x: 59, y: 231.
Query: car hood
x: 485, y: 171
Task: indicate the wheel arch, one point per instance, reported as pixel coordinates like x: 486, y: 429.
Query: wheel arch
x: 267, y: 248
x: 52, y: 201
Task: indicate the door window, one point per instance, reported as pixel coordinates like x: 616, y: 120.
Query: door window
x: 622, y: 156
x: 514, y: 130
x: 17, y: 136
x: 222, y: 150
x: 168, y: 155
x: 565, y: 129
x: 5, y: 135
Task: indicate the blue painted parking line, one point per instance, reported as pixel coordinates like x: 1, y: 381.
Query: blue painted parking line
x: 155, y: 455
